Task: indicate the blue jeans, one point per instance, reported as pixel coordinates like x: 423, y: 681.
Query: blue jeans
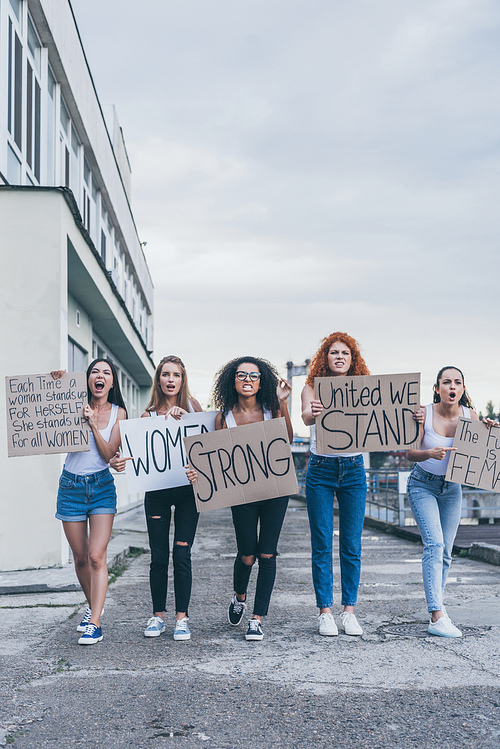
x: 345, y: 477
x: 436, y: 505
x: 81, y: 496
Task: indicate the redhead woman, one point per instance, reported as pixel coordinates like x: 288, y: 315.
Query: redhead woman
x: 343, y: 476
x: 86, y: 500
x: 436, y: 503
x: 248, y: 390
x: 169, y: 397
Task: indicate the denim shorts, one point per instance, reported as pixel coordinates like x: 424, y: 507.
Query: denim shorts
x: 81, y: 496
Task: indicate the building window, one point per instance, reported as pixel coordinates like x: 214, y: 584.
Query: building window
x: 15, y: 86
x: 76, y: 357
x: 77, y: 318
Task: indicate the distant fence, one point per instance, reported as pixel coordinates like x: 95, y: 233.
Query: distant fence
x: 386, y: 499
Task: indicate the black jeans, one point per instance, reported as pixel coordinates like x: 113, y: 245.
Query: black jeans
x: 270, y: 513
x: 158, y: 506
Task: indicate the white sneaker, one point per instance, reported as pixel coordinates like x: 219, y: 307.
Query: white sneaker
x: 154, y: 627
x: 444, y: 627
x: 350, y: 623
x: 181, y: 630
x: 327, y: 625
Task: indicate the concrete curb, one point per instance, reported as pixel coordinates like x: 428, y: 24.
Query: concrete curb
x: 485, y: 553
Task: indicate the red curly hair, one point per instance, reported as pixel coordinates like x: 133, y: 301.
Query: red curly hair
x: 319, y: 365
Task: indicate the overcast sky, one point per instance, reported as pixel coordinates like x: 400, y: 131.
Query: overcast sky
x: 305, y: 167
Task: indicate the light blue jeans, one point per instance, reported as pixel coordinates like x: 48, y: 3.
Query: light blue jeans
x: 436, y: 505
x: 345, y: 477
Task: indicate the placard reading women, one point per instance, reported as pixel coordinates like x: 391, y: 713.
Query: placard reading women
x: 45, y: 415
x: 367, y: 413
x: 157, y: 450
x: 242, y: 464
x: 476, y: 458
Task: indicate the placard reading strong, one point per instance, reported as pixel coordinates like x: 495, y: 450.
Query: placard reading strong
x: 242, y: 464
x: 46, y: 415
x: 370, y: 413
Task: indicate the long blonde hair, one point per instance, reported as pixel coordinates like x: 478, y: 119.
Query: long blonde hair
x: 158, y: 397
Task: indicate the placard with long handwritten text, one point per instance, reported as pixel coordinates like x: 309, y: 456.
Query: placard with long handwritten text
x: 46, y: 415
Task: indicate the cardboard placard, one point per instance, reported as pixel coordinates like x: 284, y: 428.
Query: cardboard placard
x: 242, y: 464
x: 368, y: 413
x: 476, y: 461
x: 45, y: 416
x: 157, y: 451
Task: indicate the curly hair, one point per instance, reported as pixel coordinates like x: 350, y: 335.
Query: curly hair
x: 319, y: 365
x: 157, y: 398
x: 464, y: 400
x: 224, y: 395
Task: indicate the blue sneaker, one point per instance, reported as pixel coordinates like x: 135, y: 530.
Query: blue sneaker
x: 181, y: 631
x: 154, y: 627
x: 86, y: 620
x: 92, y: 635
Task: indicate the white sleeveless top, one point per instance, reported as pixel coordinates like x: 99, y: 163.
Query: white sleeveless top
x: 231, y: 421
x: 327, y: 455
x: 191, y: 410
x: 82, y: 464
x: 433, y: 439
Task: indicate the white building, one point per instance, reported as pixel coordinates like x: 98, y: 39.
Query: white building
x: 74, y: 282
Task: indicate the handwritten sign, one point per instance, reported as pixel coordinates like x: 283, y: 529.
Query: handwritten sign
x: 157, y: 451
x: 476, y: 461
x: 372, y: 413
x: 242, y: 464
x: 46, y: 415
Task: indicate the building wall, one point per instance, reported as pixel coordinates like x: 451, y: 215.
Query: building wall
x: 75, y: 282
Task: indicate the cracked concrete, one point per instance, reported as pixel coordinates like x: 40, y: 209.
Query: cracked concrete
x: 294, y: 687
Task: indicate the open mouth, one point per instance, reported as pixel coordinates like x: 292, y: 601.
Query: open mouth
x: 99, y: 386
x: 453, y: 396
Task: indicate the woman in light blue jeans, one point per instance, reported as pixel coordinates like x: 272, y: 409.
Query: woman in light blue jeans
x: 436, y: 503
x: 343, y: 476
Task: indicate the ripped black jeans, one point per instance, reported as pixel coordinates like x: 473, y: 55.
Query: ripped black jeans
x: 269, y: 514
x: 158, y: 506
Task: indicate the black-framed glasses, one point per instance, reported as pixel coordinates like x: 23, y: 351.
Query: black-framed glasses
x: 254, y: 376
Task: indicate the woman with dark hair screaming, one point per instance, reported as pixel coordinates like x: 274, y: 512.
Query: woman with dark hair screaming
x: 437, y: 504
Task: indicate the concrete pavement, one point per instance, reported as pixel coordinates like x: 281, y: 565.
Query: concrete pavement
x: 390, y: 688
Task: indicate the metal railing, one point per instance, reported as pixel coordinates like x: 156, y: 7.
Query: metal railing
x: 387, y: 500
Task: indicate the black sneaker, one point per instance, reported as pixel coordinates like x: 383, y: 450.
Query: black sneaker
x: 254, y: 631
x: 236, y: 611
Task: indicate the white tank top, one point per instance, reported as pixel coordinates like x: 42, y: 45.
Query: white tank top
x: 231, y: 421
x: 191, y: 410
x: 327, y: 455
x: 433, y: 439
x: 82, y: 464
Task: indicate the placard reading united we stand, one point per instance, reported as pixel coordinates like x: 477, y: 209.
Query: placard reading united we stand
x: 367, y: 413
x: 45, y: 415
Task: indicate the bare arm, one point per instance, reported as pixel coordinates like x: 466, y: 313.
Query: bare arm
x: 310, y: 406
x: 283, y: 392
x: 438, y: 453
x: 106, y: 449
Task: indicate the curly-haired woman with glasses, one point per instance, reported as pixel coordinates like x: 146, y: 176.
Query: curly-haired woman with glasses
x: 248, y: 390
